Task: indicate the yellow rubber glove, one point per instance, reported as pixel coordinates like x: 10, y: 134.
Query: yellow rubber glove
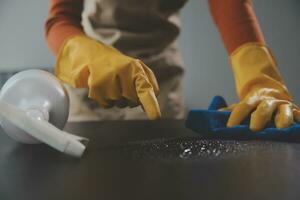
x: 260, y: 89
x: 109, y: 75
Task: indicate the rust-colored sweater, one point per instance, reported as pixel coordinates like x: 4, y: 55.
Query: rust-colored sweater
x: 235, y: 20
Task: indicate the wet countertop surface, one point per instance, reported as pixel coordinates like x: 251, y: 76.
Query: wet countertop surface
x: 150, y: 160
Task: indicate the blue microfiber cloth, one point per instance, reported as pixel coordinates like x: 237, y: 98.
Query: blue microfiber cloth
x: 211, y: 123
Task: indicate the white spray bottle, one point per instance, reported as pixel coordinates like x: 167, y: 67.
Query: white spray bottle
x: 34, y: 107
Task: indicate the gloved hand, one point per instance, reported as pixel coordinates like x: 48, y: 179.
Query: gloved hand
x: 109, y: 75
x: 260, y: 88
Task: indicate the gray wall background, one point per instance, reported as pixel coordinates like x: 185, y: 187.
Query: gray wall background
x: 208, y: 73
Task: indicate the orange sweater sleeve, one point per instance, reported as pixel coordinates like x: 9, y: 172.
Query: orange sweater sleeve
x: 64, y: 20
x: 236, y: 22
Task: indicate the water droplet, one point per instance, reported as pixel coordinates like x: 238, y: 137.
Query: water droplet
x: 186, y: 153
x: 218, y: 153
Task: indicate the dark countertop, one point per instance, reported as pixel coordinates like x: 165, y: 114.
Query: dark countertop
x: 150, y: 160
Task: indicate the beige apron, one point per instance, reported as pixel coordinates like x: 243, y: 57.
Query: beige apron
x: 144, y: 29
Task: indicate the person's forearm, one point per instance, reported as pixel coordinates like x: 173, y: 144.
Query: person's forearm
x: 63, y: 21
x: 236, y: 22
